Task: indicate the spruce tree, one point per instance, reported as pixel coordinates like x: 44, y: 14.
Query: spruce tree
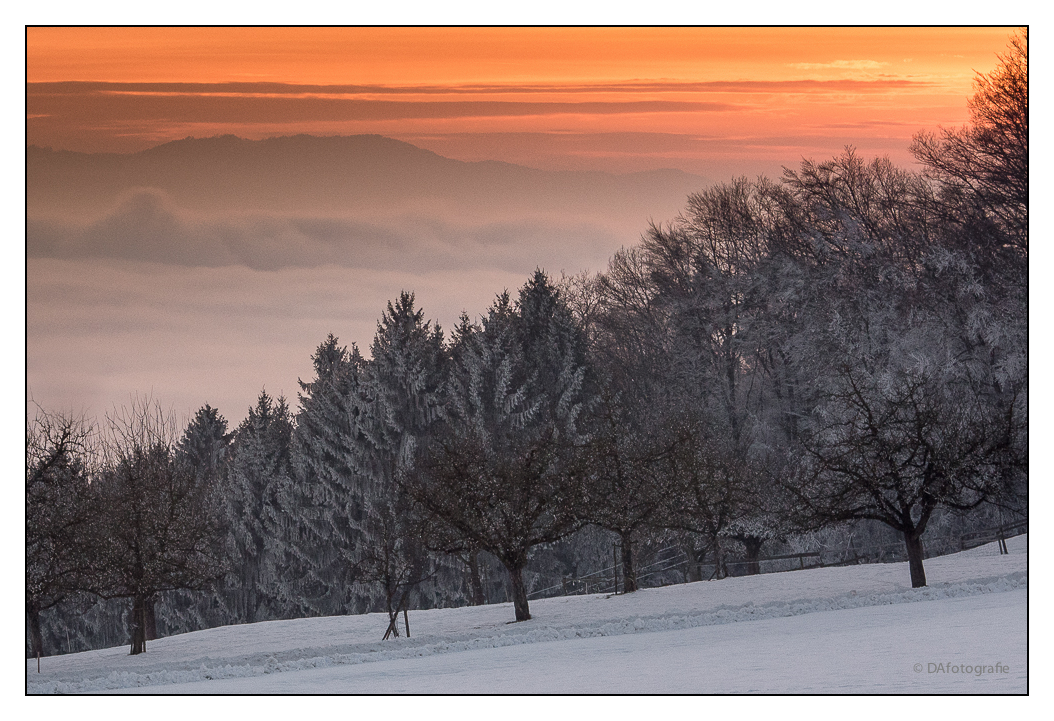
x: 259, y: 518
x: 332, y: 486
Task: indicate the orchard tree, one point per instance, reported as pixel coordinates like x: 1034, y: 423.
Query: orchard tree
x: 894, y: 443
x: 896, y: 352
x: 159, y: 531
x: 506, y: 473
x: 61, y: 556
x: 627, y: 484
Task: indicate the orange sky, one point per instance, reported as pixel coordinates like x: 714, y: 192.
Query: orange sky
x: 706, y: 100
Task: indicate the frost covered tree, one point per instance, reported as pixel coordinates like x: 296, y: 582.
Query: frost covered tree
x: 158, y: 528
x: 332, y: 483
x: 404, y: 388
x: 404, y: 404
x: 506, y: 472
x: 627, y: 488
x: 259, y: 515
x: 205, y: 443
x: 980, y: 274
x: 60, y: 514
x: 692, y: 327
x: 394, y: 557
x: 909, y: 415
x: 983, y: 167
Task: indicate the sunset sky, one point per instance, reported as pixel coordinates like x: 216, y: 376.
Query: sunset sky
x: 155, y: 292
x: 713, y: 101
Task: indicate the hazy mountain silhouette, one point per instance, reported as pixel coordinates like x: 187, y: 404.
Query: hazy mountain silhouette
x: 345, y: 175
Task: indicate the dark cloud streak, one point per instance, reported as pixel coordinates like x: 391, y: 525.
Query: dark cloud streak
x: 880, y: 84
x: 98, y: 107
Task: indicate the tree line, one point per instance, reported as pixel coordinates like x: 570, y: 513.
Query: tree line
x: 847, y: 345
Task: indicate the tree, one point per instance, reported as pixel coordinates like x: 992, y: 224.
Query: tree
x: 985, y: 165
x: 627, y: 485
x: 404, y: 385
x: 159, y: 532
x: 505, y: 474
x: 894, y: 443
x: 204, y: 445
x: 259, y: 516
x: 394, y: 556
x: 896, y: 351
x: 692, y: 322
x: 404, y: 404
x: 60, y: 513
x: 981, y: 204
x: 332, y: 486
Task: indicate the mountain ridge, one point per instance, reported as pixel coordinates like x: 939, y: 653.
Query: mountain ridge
x: 343, y: 173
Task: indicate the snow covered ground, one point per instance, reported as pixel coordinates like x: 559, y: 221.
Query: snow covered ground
x: 850, y: 629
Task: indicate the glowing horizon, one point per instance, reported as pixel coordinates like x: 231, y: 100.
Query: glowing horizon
x: 622, y: 99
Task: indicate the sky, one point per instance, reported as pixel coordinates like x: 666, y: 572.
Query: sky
x: 109, y: 315
x: 714, y: 101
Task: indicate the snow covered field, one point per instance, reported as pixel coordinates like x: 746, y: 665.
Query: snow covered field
x: 850, y: 629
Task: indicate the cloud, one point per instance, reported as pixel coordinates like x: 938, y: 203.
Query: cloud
x: 147, y: 226
x: 241, y: 107
x: 630, y: 87
x: 841, y: 65
x: 98, y: 330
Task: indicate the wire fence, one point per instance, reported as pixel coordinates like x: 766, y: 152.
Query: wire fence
x: 673, y: 564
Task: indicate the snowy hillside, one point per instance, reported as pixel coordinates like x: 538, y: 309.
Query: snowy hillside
x: 816, y: 630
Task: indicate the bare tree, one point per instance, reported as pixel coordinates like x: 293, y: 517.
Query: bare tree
x: 60, y: 513
x: 985, y: 164
x: 159, y: 529
x: 395, y: 556
x: 894, y: 445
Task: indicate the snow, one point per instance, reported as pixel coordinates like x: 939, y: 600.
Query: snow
x: 848, y: 629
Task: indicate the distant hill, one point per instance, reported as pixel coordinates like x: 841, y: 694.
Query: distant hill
x: 344, y: 175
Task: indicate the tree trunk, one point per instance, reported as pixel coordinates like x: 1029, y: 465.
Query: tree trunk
x: 138, y: 623
x: 476, y: 585
x: 629, y: 572
x: 393, y: 611
x: 519, y: 592
x: 693, y: 572
x: 753, y: 549
x: 150, y: 617
x: 913, y: 540
x: 720, y: 568
x: 36, y: 638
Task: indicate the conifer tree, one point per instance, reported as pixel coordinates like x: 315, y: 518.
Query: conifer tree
x: 332, y: 485
x: 403, y: 388
x: 259, y: 514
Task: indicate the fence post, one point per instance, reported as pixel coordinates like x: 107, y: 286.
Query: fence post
x: 614, y: 567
